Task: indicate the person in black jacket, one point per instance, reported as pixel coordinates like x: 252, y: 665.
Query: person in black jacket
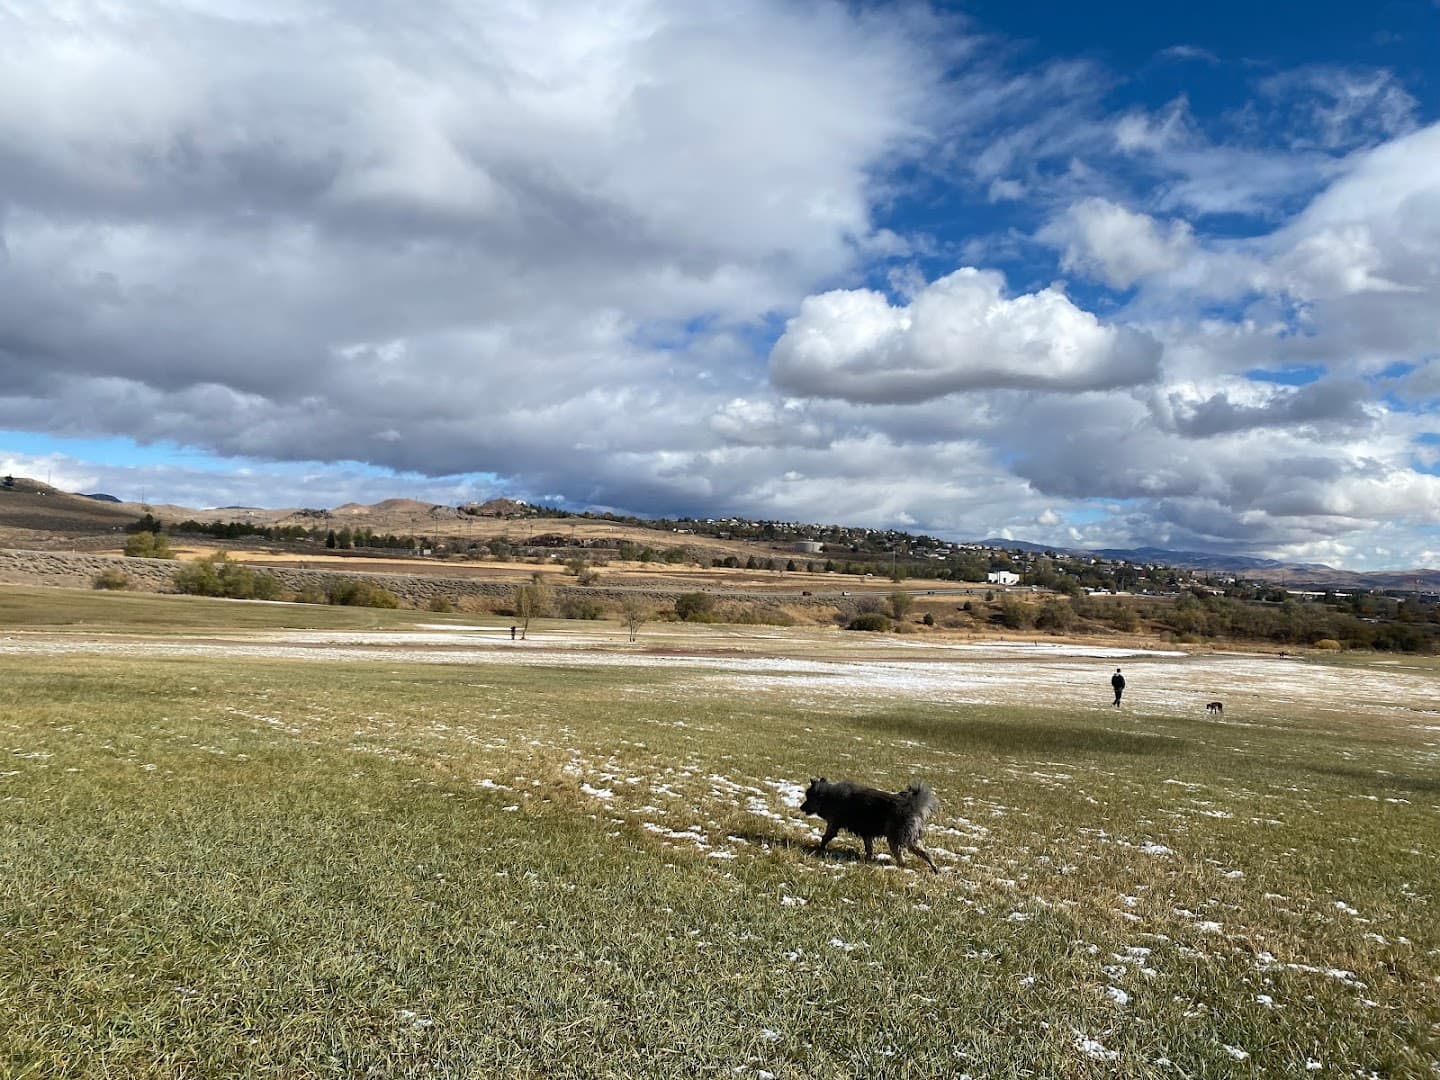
x: 1118, y: 682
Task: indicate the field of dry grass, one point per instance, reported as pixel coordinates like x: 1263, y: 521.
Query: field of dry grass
x: 269, y: 839
x: 246, y: 839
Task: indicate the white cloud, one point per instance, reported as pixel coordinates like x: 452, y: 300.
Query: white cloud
x: 763, y: 422
x: 1002, y: 190
x: 554, y: 244
x: 1116, y: 245
x: 1337, y: 108
x: 960, y: 333
x: 1189, y: 52
x: 271, y: 230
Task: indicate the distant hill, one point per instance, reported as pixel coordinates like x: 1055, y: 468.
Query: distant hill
x: 1024, y: 545
x: 1203, y: 560
x: 1181, y: 560
x: 501, y: 507
x: 34, y: 514
x: 30, y: 506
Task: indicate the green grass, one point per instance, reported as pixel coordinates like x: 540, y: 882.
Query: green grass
x: 51, y: 609
x: 294, y: 869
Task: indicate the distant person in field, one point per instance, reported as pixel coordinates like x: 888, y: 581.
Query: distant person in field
x: 1117, y: 682
x: 512, y: 633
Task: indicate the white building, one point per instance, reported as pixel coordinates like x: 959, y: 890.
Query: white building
x: 1002, y: 577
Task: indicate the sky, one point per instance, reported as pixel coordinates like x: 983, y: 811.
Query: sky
x: 1090, y: 275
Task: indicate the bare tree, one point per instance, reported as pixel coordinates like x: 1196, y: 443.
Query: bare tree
x: 635, y: 614
x: 532, y: 601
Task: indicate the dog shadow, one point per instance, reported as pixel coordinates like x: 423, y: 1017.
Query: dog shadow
x: 810, y: 845
x: 841, y: 854
x: 806, y: 845
x: 763, y: 839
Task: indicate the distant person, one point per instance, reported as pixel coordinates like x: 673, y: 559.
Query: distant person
x: 512, y: 633
x: 1117, y: 682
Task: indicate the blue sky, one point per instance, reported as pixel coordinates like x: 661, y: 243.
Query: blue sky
x: 1090, y: 275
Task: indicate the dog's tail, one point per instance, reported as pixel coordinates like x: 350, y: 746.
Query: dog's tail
x: 913, y: 805
x: 918, y: 802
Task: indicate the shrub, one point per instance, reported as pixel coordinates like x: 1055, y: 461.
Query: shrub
x: 148, y: 545
x: 1123, y: 617
x: 218, y: 576
x: 583, y: 607
x: 1056, y: 616
x: 111, y: 578
x: 870, y: 620
x: 761, y: 615
x: 695, y: 607
x: 929, y: 619
x: 441, y: 604
x: 311, y: 595
x: 350, y: 592
x: 263, y: 586
x: 1015, y: 615
x: 1328, y: 644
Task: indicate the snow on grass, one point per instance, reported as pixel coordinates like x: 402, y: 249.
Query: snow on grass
x: 999, y: 673
x: 1094, y: 1049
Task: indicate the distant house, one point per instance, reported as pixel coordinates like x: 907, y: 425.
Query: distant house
x: 1002, y: 577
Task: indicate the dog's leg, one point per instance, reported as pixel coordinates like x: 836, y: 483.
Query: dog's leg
x: 830, y: 831
x: 918, y: 850
x: 869, y: 847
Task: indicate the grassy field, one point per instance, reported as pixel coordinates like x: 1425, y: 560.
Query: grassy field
x: 250, y: 866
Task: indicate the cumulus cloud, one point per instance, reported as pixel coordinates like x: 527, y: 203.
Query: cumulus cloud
x: 1371, y: 232
x: 618, y: 255
x: 1253, y: 481
x: 764, y: 422
x: 459, y: 242
x: 1349, y: 276
x: 1118, y: 246
x: 1336, y: 406
x: 960, y: 333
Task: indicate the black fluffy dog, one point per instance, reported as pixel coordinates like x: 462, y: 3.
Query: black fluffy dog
x: 869, y: 812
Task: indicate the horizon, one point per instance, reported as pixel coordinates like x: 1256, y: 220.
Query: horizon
x: 1114, y: 278
x: 996, y: 542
